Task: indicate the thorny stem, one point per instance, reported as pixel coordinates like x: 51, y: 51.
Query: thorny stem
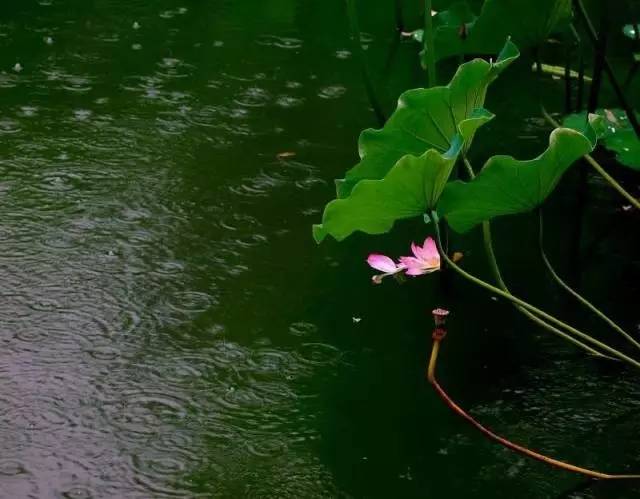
x: 488, y: 245
x: 597, y: 167
x: 505, y: 294
x: 575, y: 294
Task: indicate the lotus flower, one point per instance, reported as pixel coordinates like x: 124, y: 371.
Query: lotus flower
x: 425, y: 260
x: 384, y: 264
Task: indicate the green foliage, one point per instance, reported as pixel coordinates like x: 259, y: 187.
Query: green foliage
x: 459, y: 31
x: 405, y: 166
x: 507, y: 186
x: 411, y: 187
x: 425, y: 119
x: 632, y: 31
x: 615, y: 133
x: 407, y: 163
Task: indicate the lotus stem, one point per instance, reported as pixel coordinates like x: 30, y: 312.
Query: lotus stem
x: 438, y: 335
x: 542, y: 314
x: 429, y: 45
x: 581, y: 76
x: 488, y: 244
x: 493, y: 262
x: 399, y: 16
x: 354, y: 26
x: 600, y: 48
x: 567, y: 74
x: 577, y: 295
x: 597, y: 167
x: 595, y: 40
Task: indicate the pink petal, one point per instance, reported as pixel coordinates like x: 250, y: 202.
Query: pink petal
x: 416, y: 250
x: 381, y: 262
x: 430, y: 250
x: 416, y: 271
x: 410, y: 262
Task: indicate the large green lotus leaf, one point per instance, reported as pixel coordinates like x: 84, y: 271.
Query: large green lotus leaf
x: 615, y: 133
x: 425, y: 119
x: 506, y: 186
x: 528, y: 23
x: 411, y: 187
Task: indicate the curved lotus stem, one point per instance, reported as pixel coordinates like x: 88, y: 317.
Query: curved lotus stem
x: 486, y: 235
x: 491, y: 257
x: 598, y: 167
x: 438, y: 335
x: 577, y: 295
x: 540, y: 313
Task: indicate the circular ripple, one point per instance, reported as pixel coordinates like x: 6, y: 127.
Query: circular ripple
x: 140, y: 415
x: 9, y: 126
x: 302, y: 328
x: 253, y: 97
x: 287, y: 101
x: 78, y: 492
x: 241, y: 398
x: 12, y: 467
x: 269, y: 361
x: 279, y: 42
x: 59, y: 182
x: 160, y: 473
x: 192, y: 301
x: 266, y: 448
x: 35, y: 415
x: 104, y: 352
x: 318, y: 354
x: 332, y: 92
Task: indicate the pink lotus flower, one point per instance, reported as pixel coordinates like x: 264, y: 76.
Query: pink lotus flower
x: 384, y: 264
x: 425, y: 260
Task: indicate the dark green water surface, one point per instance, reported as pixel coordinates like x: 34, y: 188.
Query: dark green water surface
x: 168, y: 328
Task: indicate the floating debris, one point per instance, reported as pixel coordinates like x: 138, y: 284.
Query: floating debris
x: 286, y: 154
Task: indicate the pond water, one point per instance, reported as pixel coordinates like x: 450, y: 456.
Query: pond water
x: 168, y: 328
